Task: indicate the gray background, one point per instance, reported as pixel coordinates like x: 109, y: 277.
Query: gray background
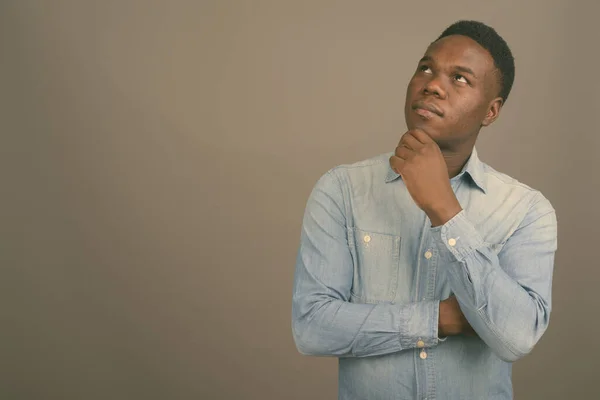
x: 156, y: 157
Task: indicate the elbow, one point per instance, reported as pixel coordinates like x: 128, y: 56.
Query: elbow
x: 303, y: 342
x: 301, y: 333
x: 313, y: 337
x: 313, y: 331
x: 517, y: 339
x: 301, y: 345
x: 311, y: 346
x: 306, y: 349
x: 515, y: 348
x: 510, y: 355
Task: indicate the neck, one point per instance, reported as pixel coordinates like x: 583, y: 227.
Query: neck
x: 456, y: 160
x: 456, y: 154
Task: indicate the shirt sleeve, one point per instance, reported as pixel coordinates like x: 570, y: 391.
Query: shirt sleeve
x: 504, y: 290
x: 324, y: 322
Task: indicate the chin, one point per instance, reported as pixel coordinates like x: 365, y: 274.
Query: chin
x: 425, y: 126
x: 439, y: 137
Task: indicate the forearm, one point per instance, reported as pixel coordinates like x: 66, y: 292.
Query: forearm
x: 508, y: 315
x: 326, y: 326
x: 508, y: 318
x: 324, y: 321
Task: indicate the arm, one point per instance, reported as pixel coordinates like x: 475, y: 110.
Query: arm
x: 324, y: 323
x: 505, y: 297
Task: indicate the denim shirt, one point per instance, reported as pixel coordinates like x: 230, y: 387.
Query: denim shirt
x: 371, y: 271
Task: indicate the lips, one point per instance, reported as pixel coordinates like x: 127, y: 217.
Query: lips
x: 428, y: 107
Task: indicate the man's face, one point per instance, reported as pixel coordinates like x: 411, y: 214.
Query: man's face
x: 453, y: 92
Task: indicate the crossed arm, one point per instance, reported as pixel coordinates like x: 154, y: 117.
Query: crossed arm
x: 504, y: 297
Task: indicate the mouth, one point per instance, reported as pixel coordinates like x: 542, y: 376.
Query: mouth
x: 427, y: 110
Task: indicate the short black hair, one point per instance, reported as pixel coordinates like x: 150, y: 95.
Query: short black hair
x: 490, y: 40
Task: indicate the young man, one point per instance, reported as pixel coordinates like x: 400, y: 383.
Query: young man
x: 426, y: 271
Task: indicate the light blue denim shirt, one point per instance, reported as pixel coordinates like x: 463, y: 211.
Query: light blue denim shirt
x: 371, y: 270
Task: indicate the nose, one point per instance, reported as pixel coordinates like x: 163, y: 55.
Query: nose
x: 435, y: 88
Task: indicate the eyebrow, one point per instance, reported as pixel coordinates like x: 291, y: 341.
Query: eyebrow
x: 460, y: 68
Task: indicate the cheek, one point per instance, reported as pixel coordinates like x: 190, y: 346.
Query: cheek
x: 412, y: 92
x: 413, y: 87
x: 469, y: 115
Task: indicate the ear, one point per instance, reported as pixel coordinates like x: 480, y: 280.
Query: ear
x: 493, y: 111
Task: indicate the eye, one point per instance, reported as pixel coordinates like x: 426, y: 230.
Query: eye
x: 425, y: 68
x: 461, y: 78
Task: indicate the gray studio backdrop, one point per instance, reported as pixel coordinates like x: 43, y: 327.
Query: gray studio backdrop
x: 156, y: 157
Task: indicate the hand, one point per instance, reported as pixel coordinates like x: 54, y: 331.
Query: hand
x: 420, y: 163
x: 452, y: 321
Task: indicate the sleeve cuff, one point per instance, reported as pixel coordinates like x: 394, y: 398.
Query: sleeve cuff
x: 420, y: 327
x: 457, y: 239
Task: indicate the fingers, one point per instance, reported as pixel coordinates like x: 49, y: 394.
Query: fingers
x: 410, y: 141
x: 400, y: 156
x: 397, y: 164
x: 403, y: 152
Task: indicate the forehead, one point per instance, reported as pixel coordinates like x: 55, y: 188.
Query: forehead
x: 458, y: 50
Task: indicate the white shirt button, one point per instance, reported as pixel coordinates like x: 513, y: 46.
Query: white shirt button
x: 423, y: 355
x: 452, y: 242
x: 420, y: 344
x: 367, y: 238
x: 428, y: 255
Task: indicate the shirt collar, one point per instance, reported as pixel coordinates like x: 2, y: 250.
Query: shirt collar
x: 473, y: 168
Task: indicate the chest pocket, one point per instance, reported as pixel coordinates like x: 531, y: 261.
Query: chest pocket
x: 376, y: 264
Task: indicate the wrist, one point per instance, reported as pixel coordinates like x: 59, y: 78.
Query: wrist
x: 441, y: 330
x: 443, y: 212
x: 446, y: 326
